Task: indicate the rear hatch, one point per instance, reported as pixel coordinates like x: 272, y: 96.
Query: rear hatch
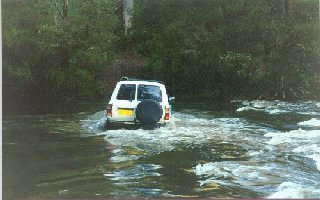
x: 129, y: 96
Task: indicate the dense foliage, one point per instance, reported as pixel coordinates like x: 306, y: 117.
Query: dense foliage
x: 56, y: 50
x: 61, y: 50
x: 227, y: 49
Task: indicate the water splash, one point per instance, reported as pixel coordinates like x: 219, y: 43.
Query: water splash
x: 272, y: 163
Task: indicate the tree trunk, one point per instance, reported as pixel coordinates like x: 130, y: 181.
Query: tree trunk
x: 127, y: 14
x: 286, y: 10
x: 65, y: 9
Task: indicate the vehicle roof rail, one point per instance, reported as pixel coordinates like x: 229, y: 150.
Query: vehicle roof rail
x: 124, y: 78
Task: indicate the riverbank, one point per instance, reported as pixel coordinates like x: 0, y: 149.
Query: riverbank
x: 31, y: 100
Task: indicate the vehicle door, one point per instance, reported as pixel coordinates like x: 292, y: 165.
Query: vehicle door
x: 126, y: 102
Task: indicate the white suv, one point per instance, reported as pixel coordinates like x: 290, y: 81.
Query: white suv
x: 136, y: 101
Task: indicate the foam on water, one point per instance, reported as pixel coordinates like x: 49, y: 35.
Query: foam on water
x: 245, y: 174
x: 279, y: 107
x: 316, y: 158
x: 267, y: 168
x: 248, y: 108
x: 134, y: 173
x: 302, y: 142
x: 314, y: 122
x: 310, y: 151
x: 187, y: 129
x: 266, y: 177
x: 296, y: 191
x: 294, y: 137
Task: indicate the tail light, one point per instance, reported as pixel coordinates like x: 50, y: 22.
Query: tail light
x: 109, y: 110
x: 167, y: 114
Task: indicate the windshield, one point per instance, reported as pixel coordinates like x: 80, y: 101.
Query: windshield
x: 127, y: 92
x: 149, y: 92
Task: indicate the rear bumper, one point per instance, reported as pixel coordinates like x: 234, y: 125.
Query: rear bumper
x: 113, y: 125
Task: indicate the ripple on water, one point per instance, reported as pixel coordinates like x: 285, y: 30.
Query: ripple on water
x: 267, y: 170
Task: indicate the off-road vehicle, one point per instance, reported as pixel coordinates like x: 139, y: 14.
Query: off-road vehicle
x: 138, y: 102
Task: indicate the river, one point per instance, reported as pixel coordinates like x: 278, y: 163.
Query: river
x: 239, y: 149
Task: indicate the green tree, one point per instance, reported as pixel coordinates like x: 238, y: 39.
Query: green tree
x: 57, y: 50
x: 227, y: 49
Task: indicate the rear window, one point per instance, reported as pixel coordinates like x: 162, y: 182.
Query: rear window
x: 149, y: 92
x: 125, y: 91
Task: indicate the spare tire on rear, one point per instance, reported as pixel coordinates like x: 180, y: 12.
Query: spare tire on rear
x: 149, y: 112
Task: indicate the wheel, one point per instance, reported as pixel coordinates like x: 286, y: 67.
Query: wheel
x: 149, y: 112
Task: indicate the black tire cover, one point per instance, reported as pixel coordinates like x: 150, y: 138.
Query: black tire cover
x: 149, y: 112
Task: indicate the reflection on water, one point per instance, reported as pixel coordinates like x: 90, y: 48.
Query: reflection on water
x: 238, y: 149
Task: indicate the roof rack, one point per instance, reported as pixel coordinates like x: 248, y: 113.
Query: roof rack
x: 124, y: 78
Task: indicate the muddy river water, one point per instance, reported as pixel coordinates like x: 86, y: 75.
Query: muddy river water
x: 239, y: 149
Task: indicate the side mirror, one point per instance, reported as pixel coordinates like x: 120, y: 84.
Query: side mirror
x: 171, y: 99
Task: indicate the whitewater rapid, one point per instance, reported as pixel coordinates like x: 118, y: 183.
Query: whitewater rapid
x: 277, y: 163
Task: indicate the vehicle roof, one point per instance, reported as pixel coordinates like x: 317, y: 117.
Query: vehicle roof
x: 141, y: 82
